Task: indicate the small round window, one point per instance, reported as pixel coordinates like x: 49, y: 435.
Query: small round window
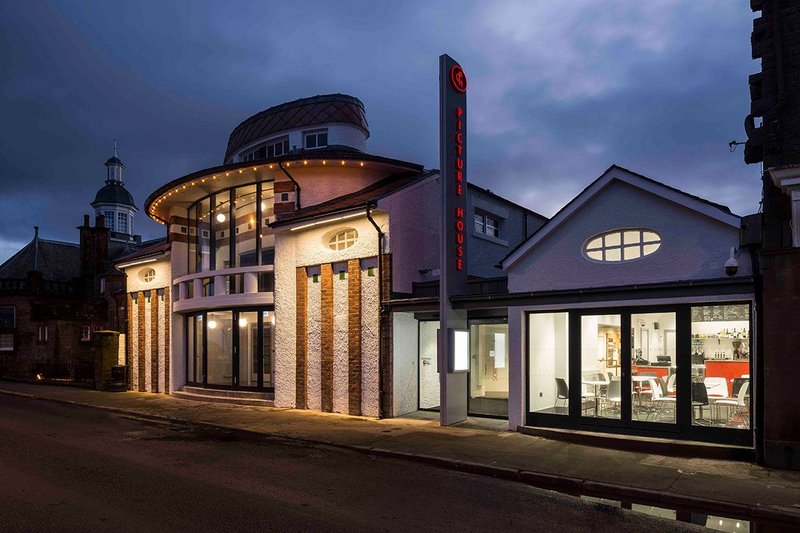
x: 622, y: 245
x: 343, y: 239
x: 148, y: 275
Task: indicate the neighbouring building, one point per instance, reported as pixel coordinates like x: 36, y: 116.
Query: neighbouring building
x: 54, y: 295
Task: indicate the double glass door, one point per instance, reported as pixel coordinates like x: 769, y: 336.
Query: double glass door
x: 231, y: 349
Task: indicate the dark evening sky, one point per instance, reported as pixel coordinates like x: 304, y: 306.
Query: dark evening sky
x: 558, y: 92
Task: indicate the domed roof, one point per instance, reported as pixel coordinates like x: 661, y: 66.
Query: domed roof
x: 301, y: 113
x: 114, y: 160
x: 113, y: 193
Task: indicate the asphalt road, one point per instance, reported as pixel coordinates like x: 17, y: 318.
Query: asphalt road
x: 69, y: 468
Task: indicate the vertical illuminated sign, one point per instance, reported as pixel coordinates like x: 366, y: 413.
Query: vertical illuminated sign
x: 453, y: 239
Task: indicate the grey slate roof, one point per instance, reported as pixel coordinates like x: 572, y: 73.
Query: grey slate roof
x: 57, y: 261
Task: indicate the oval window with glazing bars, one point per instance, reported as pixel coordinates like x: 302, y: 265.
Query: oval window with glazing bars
x: 343, y: 239
x: 622, y: 245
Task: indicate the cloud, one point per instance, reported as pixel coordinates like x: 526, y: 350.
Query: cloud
x: 558, y: 92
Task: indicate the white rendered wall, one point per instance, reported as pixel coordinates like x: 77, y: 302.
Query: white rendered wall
x: 693, y: 246
x: 341, y: 394
x: 405, y: 363
x: 370, y: 336
x: 308, y: 248
x: 517, y: 367
x: 314, y: 344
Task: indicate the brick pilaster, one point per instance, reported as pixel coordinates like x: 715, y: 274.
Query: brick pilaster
x: 326, y: 336
x: 354, y: 336
x: 154, y: 341
x: 129, y: 342
x: 301, y: 343
x: 167, y: 342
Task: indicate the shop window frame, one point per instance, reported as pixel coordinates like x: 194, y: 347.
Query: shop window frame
x: 683, y: 429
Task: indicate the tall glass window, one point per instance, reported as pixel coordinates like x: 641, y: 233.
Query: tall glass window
x: 654, y: 367
x: 248, y: 349
x: 220, y: 348
x: 194, y: 349
x: 268, y: 347
x: 203, y: 261
x: 221, y: 222
x: 721, y: 387
x: 192, y: 245
x: 601, y: 384
x: 488, y: 377
x: 267, y: 216
x: 548, y: 346
x: 245, y: 226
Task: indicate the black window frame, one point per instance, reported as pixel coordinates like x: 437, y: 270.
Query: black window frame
x: 683, y: 429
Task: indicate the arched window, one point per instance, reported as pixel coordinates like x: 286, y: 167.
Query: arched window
x: 622, y: 245
x: 343, y: 239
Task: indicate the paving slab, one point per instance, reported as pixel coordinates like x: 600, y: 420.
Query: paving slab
x: 480, y: 448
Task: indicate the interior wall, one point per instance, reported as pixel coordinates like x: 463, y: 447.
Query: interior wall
x: 548, y: 345
x: 405, y: 360
x: 428, y: 365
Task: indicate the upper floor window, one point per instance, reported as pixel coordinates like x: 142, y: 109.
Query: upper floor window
x: 7, y: 318
x: 86, y: 333
x: 6, y: 342
x: 41, y: 334
x: 122, y: 222
x: 343, y: 239
x: 622, y: 245
x: 486, y: 224
x: 315, y: 139
x: 272, y: 149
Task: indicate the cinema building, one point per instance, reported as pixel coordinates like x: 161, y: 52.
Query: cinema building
x: 304, y: 271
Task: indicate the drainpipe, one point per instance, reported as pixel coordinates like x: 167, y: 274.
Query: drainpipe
x: 381, y: 392
x: 296, y: 186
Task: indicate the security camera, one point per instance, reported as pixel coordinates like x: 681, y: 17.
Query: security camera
x: 732, y: 265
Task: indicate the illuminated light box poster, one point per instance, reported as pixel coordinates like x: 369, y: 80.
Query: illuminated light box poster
x: 459, y: 346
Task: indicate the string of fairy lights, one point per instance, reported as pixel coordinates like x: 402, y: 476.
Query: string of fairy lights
x: 215, y: 177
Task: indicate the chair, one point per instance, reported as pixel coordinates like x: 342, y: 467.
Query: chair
x: 660, y: 400
x: 699, y: 400
x: 716, y: 386
x: 614, y: 395
x: 562, y: 391
x: 671, y: 384
x: 737, y: 384
x: 737, y: 403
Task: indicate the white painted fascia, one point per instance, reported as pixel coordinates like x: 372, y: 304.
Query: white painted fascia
x: 618, y: 174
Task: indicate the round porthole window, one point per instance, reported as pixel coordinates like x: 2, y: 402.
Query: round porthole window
x: 147, y: 275
x: 343, y: 239
x: 622, y: 245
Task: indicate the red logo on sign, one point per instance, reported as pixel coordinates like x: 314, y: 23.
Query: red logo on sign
x: 458, y: 78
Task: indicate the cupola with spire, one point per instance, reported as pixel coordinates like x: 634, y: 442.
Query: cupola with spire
x: 113, y: 202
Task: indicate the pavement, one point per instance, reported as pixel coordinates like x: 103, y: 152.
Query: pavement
x: 735, y: 488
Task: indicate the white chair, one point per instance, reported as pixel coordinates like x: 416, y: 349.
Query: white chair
x: 716, y: 387
x: 671, y: 383
x: 661, y: 402
x: 737, y: 403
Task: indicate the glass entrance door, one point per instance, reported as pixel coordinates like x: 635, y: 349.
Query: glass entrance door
x: 488, y: 376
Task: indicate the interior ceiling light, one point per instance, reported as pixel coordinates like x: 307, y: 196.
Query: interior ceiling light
x: 221, y: 217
